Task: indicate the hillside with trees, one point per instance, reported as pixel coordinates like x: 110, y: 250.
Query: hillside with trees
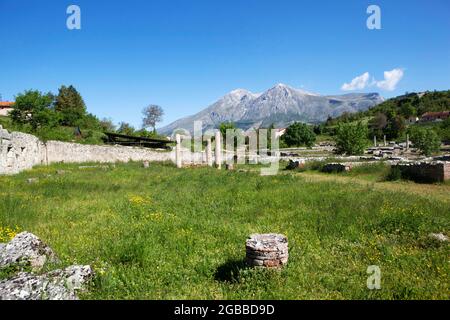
x: 64, y: 117
x: 396, y: 117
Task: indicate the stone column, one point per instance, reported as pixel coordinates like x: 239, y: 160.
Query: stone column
x: 209, y: 159
x: 178, y: 151
x: 375, y: 141
x: 385, y: 143
x: 218, y: 150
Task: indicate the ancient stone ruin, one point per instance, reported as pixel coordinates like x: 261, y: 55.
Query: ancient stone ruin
x: 267, y: 250
x: 336, y: 167
x: 20, y: 151
x: 435, y: 171
x: 292, y: 165
x: 27, y: 251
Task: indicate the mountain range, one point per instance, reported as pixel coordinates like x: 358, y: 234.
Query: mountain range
x: 281, y: 105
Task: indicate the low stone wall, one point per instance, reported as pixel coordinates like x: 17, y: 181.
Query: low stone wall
x: 437, y: 171
x: 58, y: 151
x: 20, y: 151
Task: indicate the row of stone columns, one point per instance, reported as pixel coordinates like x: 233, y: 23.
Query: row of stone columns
x: 385, y: 142
x: 209, y: 158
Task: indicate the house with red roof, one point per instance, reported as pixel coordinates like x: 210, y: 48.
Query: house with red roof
x: 435, y: 116
x: 5, y: 107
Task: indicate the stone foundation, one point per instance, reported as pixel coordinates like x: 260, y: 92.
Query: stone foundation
x: 437, y: 171
x: 336, y: 167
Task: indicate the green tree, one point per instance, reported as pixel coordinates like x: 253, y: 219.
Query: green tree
x: 299, y: 134
x: 444, y: 130
x: 378, y: 124
x: 70, y: 105
x: 395, y: 126
x: 107, y: 125
x: 407, y: 110
x: 427, y: 141
x: 319, y: 129
x: 34, y: 108
x: 89, y: 121
x: 351, y: 138
x: 446, y: 123
x: 126, y: 129
x: 224, y: 126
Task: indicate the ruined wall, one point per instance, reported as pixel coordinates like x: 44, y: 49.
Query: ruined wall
x: 58, y: 151
x: 20, y: 151
x: 437, y: 171
x: 447, y: 171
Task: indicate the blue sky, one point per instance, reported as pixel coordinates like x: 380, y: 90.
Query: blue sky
x: 184, y: 55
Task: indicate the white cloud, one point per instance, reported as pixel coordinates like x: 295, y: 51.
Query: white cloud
x: 357, y: 83
x: 391, y: 79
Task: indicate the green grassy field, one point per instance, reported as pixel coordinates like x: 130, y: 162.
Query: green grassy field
x: 164, y: 233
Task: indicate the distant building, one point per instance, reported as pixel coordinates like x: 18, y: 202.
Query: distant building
x: 5, y: 107
x: 435, y: 116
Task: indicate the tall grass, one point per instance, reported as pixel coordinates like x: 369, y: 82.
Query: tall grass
x: 165, y: 233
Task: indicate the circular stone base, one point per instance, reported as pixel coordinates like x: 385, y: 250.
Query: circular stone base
x: 267, y: 250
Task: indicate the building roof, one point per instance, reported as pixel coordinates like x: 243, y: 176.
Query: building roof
x: 436, y: 114
x: 6, y: 104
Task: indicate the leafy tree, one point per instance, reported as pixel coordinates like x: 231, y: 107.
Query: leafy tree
x: 152, y: 115
x: 407, y: 110
x: 126, y: 128
x: 351, y: 138
x: 378, y: 124
x: 446, y: 123
x: 444, y: 130
x: 319, y: 129
x: 299, y: 134
x: 427, y: 141
x: 70, y: 105
x: 107, y: 125
x: 89, y: 121
x: 34, y: 108
x: 395, y: 126
x: 224, y: 126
